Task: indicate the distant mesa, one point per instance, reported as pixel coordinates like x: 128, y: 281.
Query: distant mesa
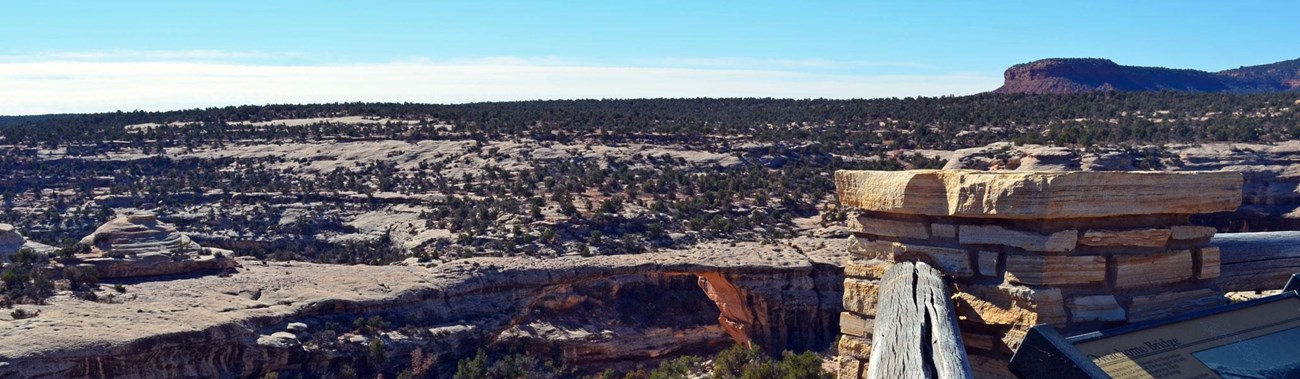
x: 1076, y: 75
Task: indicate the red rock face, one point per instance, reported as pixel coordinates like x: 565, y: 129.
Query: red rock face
x: 1061, y: 76
x: 1075, y: 75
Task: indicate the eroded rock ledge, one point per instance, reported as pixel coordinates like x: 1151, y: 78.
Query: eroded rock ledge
x: 240, y: 325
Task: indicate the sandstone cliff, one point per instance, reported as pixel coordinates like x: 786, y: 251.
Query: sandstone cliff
x: 240, y: 325
x: 1073, y: 75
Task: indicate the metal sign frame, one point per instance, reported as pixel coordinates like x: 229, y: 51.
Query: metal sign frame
x: 1045, y: 353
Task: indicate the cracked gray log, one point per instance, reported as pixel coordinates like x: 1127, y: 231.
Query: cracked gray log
x: 1257, y: 261
x: 916, y: 334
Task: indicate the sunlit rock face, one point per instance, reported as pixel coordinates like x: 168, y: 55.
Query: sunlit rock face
x: 10, y: 240
x: 298, y: 318
x: 140, y: 245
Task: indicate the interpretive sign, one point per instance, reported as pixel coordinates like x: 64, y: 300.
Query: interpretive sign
x: 1254, y: 339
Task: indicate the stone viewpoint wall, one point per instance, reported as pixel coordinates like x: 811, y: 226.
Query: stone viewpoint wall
x: 1077, y: 250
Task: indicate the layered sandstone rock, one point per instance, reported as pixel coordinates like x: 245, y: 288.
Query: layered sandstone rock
x: 141, y: 245
x: 1037, y: 195
x: 242, y: 325
x: 1076, y: 250
x: 1271, y: 172
x: 138, y: 234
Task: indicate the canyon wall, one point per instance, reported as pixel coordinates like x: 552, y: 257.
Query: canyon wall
x: 299, y: 318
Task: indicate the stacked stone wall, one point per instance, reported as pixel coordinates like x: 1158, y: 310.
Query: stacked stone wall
x: 1010, y: 273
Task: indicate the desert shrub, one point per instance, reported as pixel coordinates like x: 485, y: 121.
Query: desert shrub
x: 802, y: 365
x: 378, y: 353
x: 508, y: 366
x: 19, y: 314
x: 677, y: 368
x: 473, y: 368
x: 81, y: 278
x: 25, y: 280
x: 730, y: 363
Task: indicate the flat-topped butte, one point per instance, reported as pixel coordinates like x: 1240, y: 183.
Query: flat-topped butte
x: 1038, y: 195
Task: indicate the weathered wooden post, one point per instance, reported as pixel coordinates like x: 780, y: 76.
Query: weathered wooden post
x: 1078, y: 250
x: 916, y: 316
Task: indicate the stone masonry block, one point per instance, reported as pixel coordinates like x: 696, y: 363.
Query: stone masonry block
x: 1149, y: 237
x: 855, y: 267
x: 860, y: 246
x: 856, y: 347
x: 1190, y: 232
x: 1095, y: 308
x: 849, y: 367
x: 1058, y: 242
x: 988, y: 263
x: 1210, y: 262
x: 1008, y: 304
x: 1016, y: 307
x: 890, y: 228
x: 942, y: 230
x: 1038, y: 195
x: 1148, y: 270
x: 1046, y: 270
x: 860, y: 296
x: 855, y: 325
x: 954, y: 262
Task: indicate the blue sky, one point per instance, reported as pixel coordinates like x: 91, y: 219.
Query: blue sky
x: 66, y: 56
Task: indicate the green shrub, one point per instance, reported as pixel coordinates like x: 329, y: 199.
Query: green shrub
x: 677, y: 368
x: 730, y: 363
x: 19, y: 314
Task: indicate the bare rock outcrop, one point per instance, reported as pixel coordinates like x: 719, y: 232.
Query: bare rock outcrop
x: 141, y: 245
x: 10, y: 240
x: 236, y: 325
x: 138, y: 234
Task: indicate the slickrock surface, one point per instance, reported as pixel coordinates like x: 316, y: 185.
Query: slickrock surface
x: 1037, y: 195
x: 238, y: 325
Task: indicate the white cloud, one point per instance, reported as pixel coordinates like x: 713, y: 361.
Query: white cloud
x: 740, y: 62
x: 146, y: 55
x: 92, y: 85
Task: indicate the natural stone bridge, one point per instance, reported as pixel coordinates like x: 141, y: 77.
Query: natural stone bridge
x: 1077, y: 250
